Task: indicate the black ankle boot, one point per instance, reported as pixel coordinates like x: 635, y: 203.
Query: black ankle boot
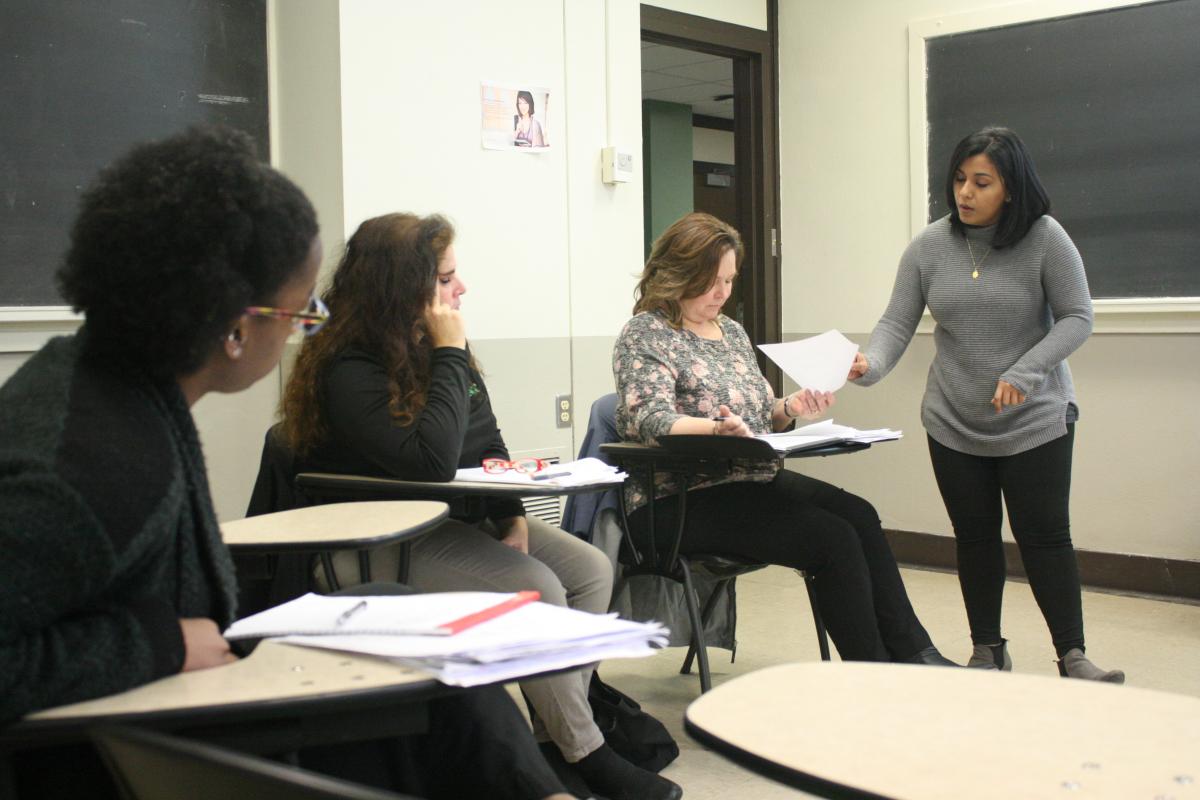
x: 572, y: 781
x: 931, y: 657
x: 608, y: 774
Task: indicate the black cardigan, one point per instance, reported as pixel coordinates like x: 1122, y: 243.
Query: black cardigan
x: 107, y: 532
x: 455, y: 429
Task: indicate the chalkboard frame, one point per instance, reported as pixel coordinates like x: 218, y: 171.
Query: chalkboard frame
x: 1141, y: 315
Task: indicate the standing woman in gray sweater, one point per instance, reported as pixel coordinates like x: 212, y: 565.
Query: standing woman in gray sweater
x: 1008, y: 292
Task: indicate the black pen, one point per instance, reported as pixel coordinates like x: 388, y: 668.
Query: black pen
x: 348, y: 613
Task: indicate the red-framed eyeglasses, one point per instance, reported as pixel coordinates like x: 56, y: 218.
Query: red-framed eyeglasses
x: 526, y: 466
x: 310, y: 320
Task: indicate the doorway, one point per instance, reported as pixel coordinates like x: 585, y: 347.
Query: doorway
x: 709, y: 133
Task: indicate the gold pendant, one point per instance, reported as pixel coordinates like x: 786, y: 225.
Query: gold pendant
x: 975, y: 274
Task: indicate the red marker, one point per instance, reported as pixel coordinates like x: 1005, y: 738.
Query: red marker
x: 471, y: 620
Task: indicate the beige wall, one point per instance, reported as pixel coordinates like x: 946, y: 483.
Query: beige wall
x: 751, y: 13
x: 846, y: 209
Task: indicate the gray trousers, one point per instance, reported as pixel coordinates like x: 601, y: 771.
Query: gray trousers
x: 567, y: 571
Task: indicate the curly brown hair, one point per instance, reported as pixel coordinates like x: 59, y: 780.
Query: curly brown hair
x: 380, y: 290
x: 683, y: 264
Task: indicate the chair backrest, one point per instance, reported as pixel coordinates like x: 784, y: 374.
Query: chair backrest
x: 582, y: 512
x: 148, y: 765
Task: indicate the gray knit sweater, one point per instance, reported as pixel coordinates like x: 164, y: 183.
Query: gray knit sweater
x: 1028, y: 310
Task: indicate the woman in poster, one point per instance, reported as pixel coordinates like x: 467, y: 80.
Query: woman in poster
x: 527, y: 131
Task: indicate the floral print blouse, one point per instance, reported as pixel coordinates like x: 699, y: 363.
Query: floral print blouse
x: 664, y: 373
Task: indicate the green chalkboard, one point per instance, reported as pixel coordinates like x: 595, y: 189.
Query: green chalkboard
x: 1109, y: 105
x: 83, y: 80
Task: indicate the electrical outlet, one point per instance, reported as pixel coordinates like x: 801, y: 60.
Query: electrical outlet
x: 563, y: 408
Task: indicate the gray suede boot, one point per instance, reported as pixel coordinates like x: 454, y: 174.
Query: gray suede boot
x: 991, y: 656
x: 1076, y: 665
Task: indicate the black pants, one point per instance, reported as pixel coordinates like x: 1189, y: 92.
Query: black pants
x: 801, y: 522
x: 1036, y: 488
x: 478, y: 745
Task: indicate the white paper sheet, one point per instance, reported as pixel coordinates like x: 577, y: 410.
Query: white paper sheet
x: 820, y: 363
x: 822, y: 433
x: 584, y: 472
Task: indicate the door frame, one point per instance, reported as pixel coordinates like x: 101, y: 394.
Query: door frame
x: 756, y: 152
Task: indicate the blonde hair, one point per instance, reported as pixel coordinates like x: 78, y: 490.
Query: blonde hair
x: 683, y: 264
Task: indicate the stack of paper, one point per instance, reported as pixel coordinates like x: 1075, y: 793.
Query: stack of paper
x: 824, y: 433
x: 584, y: 472
x: 524, y: 639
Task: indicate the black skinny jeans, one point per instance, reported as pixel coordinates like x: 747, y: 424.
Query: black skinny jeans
x: 1036, y: 489
x: 801, y: 522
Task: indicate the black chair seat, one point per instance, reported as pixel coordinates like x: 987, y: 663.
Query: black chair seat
x: 719, y: 566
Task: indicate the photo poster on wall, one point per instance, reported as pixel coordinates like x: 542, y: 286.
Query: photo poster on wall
x: 514, y: 117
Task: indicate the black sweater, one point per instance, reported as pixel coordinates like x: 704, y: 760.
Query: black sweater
x: 455, y: 429
x: 107, y: 532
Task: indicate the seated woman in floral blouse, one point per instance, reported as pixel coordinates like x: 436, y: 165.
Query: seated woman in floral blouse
x: 681, y: 366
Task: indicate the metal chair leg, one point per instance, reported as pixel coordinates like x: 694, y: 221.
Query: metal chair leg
x: 364, y: 566
x: 822, y: 638
x: 330, y: 575
x: 709, y: 605
x: 697, y: 626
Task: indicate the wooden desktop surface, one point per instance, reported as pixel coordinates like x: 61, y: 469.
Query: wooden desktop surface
x: 336, y: 525
x: 912, y: 732
x: 342, y: 484
x: 274, y: 672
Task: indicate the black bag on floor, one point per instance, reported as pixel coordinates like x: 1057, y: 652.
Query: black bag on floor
x: 634, y: 734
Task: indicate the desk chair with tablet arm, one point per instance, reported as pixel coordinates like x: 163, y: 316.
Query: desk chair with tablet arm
x: 686, y: 457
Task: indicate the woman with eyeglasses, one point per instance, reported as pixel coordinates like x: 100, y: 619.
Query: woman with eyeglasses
x: 390, y: 388
x: 114, y: 572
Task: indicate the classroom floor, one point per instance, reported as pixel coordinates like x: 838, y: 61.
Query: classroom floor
x: 1157, y: 643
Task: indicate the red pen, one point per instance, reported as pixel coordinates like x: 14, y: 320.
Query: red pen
x: 491, y: 612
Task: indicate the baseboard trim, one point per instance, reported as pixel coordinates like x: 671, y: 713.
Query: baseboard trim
x: 1176, y: 579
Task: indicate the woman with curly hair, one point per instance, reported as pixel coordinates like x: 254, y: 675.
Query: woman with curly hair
x: 391, y: 389
x: 193, y: 262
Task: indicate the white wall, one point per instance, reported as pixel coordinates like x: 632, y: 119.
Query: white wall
x: 844, y: 138
x: 751, y: 13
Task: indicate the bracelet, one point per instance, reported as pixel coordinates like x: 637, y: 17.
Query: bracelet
x: 716, y: 428
x: 785, y: 409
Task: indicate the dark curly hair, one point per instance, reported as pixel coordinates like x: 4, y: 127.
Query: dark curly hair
x: 381, y: 288
x: 173, y: 240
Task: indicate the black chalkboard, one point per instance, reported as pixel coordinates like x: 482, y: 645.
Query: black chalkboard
x: 1109, y: 105
x: 82, y: 80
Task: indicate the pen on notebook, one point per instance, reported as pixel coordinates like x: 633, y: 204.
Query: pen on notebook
x: 545, y: 476
x: 491, y: 612
x: 348, y: 613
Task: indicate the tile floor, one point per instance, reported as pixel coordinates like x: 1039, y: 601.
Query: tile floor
x: 1157, y: 643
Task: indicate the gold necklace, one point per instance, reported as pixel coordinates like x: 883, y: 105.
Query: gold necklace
x: 976, y: 264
